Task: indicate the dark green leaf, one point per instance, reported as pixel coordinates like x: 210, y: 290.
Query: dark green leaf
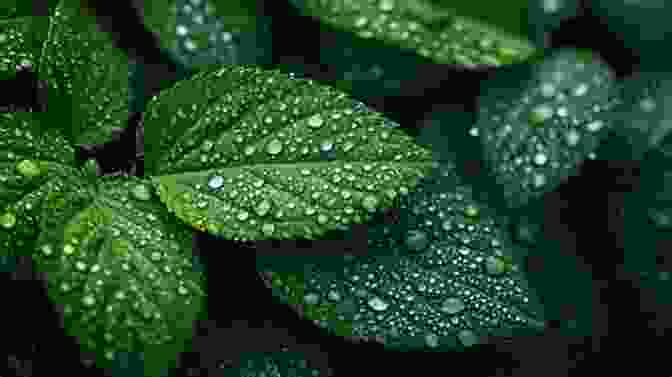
x: 119, y: 268
x: 444, y: 274
x: 537, y: 124
x: 87, y: 78
x: 252, y: 154
x: 446, y: 33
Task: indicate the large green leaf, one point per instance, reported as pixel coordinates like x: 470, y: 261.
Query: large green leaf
x: 87, y: 78
x: 31, y: 162
x: 253, y: 154
x: 444, y: 274
x: 538, y: 123
x: 119, y: 268
x: 446, y: 33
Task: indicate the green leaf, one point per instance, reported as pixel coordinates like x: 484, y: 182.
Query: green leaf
x: 538, y: 123
x: 445, y: 33
x: 645, y: 115
x: 21, y: 43
x: 205, y: 33
x: 30, y: 163
x: 87, y: 78
x: 252, y: 154
x: 444, y: 274
x: 120, y: 269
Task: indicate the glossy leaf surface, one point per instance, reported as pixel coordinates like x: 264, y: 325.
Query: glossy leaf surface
x: 31, y: 162
x: 119, y: 268
x: 444, y: 275
x: 251, y: 154
x: 433, y: 29
x: 86, y: 77
x: 537, y: 124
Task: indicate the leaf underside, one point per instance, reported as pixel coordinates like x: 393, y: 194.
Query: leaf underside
x: 249, y: 154
x: 444, y: 275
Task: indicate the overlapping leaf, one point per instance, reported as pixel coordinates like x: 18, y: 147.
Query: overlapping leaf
x: 444, y: 275
x: 537, y: 124
x: 86, y: 77
x: 204, y: 33
x: 31, y: 162
x: 119, y: 268
x: 432, y: 29
x: 645, y: 115
x: 253, y: 154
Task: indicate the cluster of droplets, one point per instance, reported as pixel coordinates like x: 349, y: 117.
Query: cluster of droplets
x: 202, y: 37
x: 29, y: 162
x: 280, y: 364
x: 118, y: 272
x: 297, y: 158
x: 446, y: 276
x: 75, y: 55
x: 410, y: 23
x: 537, y: 138
x: 15, y: 55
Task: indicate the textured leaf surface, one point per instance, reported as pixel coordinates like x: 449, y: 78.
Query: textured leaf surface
x: 537, y: 124
x: 252, y: 154
x: 120, y: 269
x: 432, y: 29
x: 281, y: 364
x: 31, y: 162
x: 205, y: 33
x: 645, y: 115
x: 444, y: 275
x: 87, y: 77
x: 21, y: 43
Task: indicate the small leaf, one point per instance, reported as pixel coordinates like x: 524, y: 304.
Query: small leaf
x: 252, y: 154
x: 447, y: 34
x: 443, y: 275
x: 87, y: 78
x: 120, y: 269
x: 538, y: 123
x: 31, y: 161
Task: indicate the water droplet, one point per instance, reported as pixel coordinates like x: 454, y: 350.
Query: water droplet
x: 249, y: 150
x: 274, y: 146
x: 268, y: 229
x: 572, y: 137
x: 207, y: 146
x: 540, y: 159
x: 181, y: 30
x: 326, y: 146
x: 334, y: 296
x: 386, y: 5
x: 547, y: 90
x: 80, y: 265
x: 452, y: 305
x: 431, y: 340
x: 28, y: 168
x: 88, y: 300
x: 141, y: 192
x: 315, y: 121
x: 243, y: 215
x: 263, y: 208
x: 182, y: 290
x: 68, y: 249
x: 370, y: 202
x: 378, y: 304
x: 595, y: 126
x: 467, y: 337
x: 47, y: 249
x: 540, y: 114
x: 647, y: 104
x: 311, y: 298
x: 580, y: 90
x: 322, y: 219
x: 416, y: 240
x: 8, y: 220
x: 216, y: 182
x: 539, y: 180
